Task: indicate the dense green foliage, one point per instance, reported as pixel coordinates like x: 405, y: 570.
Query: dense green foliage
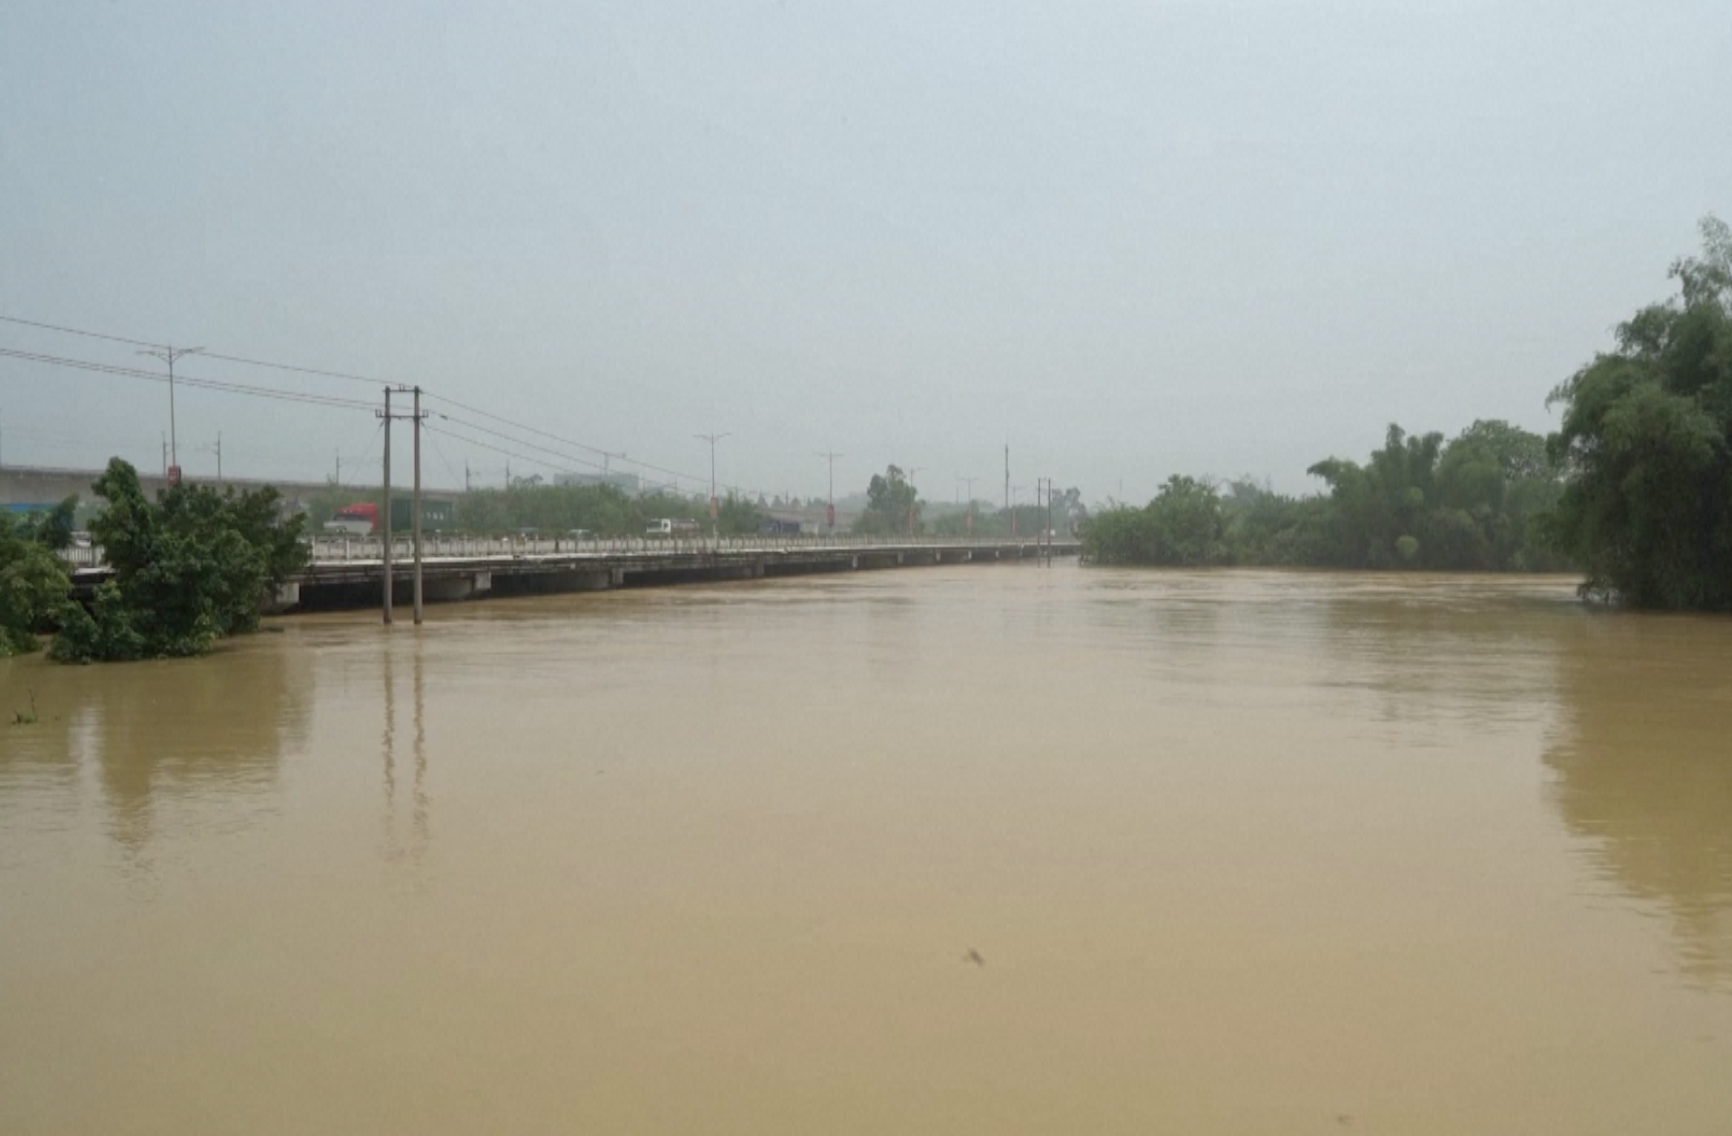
x: 600, y: 509
x: 1066, y: 512
x: 189, y: 568
x: 892, y: 506
x: 33, y: 580
x: 1473, y: 503
x: 1646, y: 441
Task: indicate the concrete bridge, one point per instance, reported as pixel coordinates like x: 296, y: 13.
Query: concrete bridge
x: 349, y: 573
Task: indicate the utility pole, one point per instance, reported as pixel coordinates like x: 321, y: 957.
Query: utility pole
x: 1038, y: 552
x: 415, y: 500
x: 169, y: 355
x: 218, y: 451
x: 914, y: 495
x: 969, y: 481
x: 1049, y: 532
x: 605, y: 455
x: 465, y: 475
x: 1044, y: 545
x: 715, y: 530
x: 1007, y: 489
x: 1046, y: 525
x: 416, y: 505
x: 1045, y: 515
x: 165, y: 456
x: 385, y: 530
x: 830, y: 508
x: 339, y: 454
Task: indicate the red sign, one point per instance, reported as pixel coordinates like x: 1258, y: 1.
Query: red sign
x: 174, y: 475
x: 830, y: 515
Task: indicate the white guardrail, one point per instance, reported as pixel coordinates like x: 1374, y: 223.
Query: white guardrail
x: 340, y: 550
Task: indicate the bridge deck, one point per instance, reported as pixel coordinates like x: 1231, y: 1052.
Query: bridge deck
x: 350, y: 573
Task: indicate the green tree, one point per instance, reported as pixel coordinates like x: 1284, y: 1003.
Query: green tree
x: 1646, y: 447
x: 1183, y: 525
x: 33, y: 580
x: 51, y: 528
x: 189, y: 568
x: 739, y: 516
x: 892, y: 506
x: 1380, y: 503
x: 1477, y: 502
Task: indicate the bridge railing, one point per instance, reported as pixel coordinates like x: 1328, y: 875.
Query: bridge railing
x: 339, y: 549
x: 83, y: 556
x: 334, y: 549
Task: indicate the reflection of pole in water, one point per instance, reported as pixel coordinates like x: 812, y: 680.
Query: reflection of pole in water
x: 390, y: 754
x: 420, y: 756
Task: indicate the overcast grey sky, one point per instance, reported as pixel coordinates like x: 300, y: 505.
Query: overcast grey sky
x: 1132, y: 238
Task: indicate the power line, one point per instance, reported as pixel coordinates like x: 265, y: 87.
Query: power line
x: 517, y: 441
x: 207, y: 384
x: 301, y: 396
x: 569, y: 442
x: 361, y: 463
x: 446, y: 461
x: 499, y: 449
x: 79, y: 331
x: 678, y: 477
x: 208, y: 354
x: 298, y: 370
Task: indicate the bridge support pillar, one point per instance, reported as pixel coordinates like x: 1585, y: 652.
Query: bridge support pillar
x: 447, y: 589
x: 287, y: 596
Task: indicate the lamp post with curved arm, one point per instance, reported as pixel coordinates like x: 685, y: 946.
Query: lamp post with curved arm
x: 715, y: 529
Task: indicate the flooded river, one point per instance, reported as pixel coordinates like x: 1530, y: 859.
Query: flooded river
x: 956, y: 850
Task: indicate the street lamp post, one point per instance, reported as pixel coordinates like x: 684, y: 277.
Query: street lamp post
x: 169, y: 355
x: 830, y: 507
x: 715, y: 529
x: 1016, y: 491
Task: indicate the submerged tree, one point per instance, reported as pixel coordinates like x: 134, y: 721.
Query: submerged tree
x: 33, y: 580
x: 189, y: 568
x: 1646, y: 442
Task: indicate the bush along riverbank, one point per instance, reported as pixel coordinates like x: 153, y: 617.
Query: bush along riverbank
x: 189, y: 568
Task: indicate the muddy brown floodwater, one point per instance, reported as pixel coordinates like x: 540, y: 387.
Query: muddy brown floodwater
x: 956, y: 850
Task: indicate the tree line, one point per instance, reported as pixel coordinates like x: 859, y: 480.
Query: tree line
x: 1477, y: 502
x: 893, y: 506
x: 532, y: 505
x: 1634, y: 489
x: 603, y: 510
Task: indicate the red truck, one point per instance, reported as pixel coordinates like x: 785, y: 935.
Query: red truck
x: 359, y: 519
